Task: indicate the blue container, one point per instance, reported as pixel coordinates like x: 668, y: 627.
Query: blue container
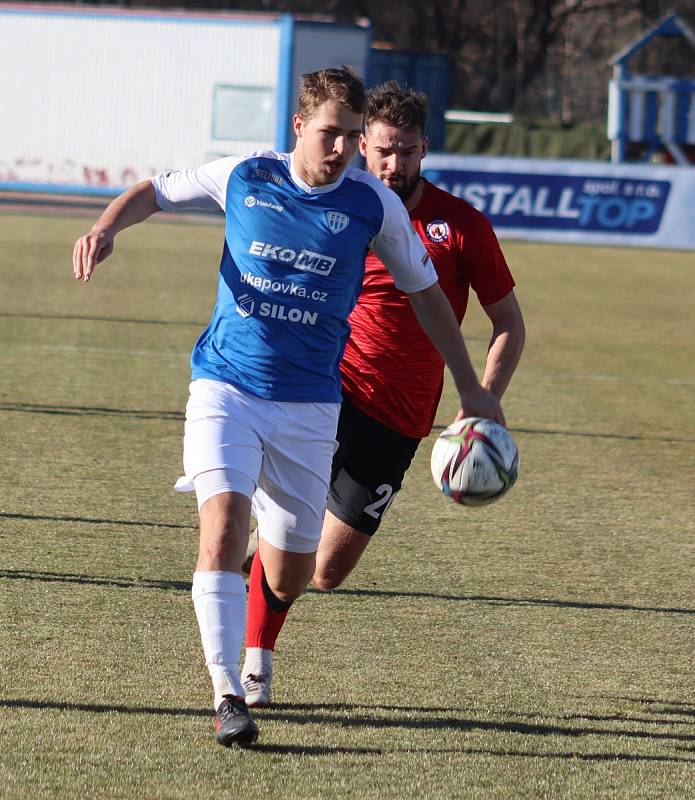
x: 425, y: 72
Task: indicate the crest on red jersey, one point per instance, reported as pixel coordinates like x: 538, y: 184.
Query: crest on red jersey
x: 437, y: 230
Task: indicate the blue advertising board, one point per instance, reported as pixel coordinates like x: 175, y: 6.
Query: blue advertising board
x: 574, y: 201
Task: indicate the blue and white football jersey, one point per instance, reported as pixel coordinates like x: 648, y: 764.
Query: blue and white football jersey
x: 291, y: 270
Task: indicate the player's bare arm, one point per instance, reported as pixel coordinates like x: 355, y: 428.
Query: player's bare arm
x: 506, y: 343
x: 129, y: 208
x: 437, y: 319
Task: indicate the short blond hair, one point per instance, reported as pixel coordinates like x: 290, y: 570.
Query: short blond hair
x: 343, y: 85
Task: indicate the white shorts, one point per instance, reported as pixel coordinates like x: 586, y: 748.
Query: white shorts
x: 277, y: 454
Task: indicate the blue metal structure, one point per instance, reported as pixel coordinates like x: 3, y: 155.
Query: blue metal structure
x: 655, y: 111
x: 425, y: 72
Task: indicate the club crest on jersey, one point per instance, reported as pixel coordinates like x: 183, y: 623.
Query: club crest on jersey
x: 437, y: 231
x: 336, y: 221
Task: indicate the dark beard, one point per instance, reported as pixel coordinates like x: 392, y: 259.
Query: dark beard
x: 405, y: 192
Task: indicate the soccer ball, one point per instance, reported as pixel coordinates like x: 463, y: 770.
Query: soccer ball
x: 475, y: 461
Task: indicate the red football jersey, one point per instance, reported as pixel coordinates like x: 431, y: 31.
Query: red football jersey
x: 391, y: 371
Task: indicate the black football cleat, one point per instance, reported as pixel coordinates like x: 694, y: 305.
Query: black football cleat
x: 234, y: 724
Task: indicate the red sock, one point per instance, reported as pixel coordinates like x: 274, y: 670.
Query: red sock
x: 266, y: 613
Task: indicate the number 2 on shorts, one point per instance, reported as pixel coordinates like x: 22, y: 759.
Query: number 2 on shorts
x: 382, y: 505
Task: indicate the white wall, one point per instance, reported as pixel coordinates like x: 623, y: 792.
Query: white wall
x: 108, y: 99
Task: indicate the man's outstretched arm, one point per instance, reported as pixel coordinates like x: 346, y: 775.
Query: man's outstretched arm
x: 129, y: 208
x: 437, y: 319
x: 506, y: 343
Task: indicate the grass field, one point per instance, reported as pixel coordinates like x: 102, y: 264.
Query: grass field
x: 538, y: 648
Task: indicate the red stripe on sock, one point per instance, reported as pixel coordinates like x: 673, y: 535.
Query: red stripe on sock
x: 263, y: 625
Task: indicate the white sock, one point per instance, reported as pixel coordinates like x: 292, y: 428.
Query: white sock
x: 219, y: 599
x: 258, y: 661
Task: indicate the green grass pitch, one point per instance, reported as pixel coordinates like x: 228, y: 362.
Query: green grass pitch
x: 541, y: 647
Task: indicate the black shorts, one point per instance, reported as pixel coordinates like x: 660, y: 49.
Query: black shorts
x: 368, y: 468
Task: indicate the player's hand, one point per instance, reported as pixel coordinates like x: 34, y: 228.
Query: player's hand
x: 89, y: 251
x: 481, y: 403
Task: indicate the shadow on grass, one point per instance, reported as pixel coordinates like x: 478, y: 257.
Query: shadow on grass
x: 127, y: 583
x: 92, y: 411
x: 665, y: 710
x: 572, y: 756
x: 310, y: 750
x: 117, y: 583
x: 93, y: 318
x: 97, y: 521
x: 103, y: 708
x: 314, y: 750
x: 620, y: 718
x: 630, y: 437
x: 303, y: 714
x: 671, y: 707
x: 512, y: 601
x: 178, y: 416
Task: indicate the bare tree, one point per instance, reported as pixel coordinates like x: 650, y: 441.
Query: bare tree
x: 533, y: 57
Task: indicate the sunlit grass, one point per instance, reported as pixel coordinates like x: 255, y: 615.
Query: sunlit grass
x: 539, y: 647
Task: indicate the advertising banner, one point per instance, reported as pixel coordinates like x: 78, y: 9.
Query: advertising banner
x: 574, y: 201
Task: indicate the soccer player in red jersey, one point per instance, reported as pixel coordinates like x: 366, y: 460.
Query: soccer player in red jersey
x: 392, y: 375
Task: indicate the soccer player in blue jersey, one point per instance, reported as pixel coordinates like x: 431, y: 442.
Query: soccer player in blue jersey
x: 265, y: 391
